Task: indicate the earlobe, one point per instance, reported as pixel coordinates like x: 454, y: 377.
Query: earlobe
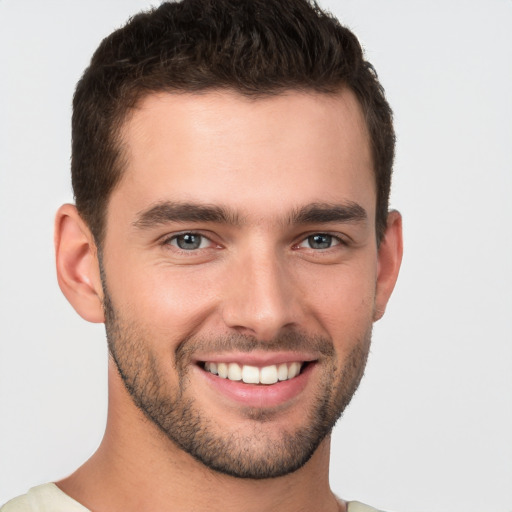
x: 77, y: 262
x: 389, y: 260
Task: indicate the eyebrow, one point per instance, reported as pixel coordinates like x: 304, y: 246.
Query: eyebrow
x: 168, y: 211
x: 315, y: 213
x: 319, y: 213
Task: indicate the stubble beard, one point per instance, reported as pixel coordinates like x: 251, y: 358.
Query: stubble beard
x: 237, y: 453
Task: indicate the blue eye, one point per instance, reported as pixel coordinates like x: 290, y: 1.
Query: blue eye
x: 319, y: 241
x: 189, y: 241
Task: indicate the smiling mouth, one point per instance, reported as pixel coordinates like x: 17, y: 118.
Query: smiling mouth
x: 248, y: 374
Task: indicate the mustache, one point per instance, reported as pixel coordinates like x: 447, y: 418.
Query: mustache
x: 237, y: 342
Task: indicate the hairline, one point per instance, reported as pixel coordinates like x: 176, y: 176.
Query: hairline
x: 123, y: 116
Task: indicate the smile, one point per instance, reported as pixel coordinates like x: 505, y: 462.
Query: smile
x: 253, y: 374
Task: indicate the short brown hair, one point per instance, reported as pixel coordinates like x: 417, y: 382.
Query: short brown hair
x: 255, y: 47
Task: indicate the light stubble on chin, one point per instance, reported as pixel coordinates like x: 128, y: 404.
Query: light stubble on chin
x: 255, y: 455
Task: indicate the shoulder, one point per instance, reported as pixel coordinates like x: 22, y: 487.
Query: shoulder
x: 43, y: 498
x: 356, y: 506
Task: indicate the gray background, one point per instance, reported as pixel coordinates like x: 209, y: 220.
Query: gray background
x: 430, y: 429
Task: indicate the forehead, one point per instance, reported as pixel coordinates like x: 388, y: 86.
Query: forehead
x: 224, y: 148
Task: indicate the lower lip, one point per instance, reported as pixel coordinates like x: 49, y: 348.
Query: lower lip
x: 260, y: 395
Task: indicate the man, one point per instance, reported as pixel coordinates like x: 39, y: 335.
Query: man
x: 231, y: 167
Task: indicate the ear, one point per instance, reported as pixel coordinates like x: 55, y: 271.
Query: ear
x: 77, y: 261
x: 389, y: 260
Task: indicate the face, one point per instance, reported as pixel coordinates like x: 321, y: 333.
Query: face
x: 240, y: 269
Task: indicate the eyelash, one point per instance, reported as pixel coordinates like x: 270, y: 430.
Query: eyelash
x: 167, y: 241
x: 333, y: 238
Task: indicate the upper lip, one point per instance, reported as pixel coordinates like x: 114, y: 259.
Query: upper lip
x: 257, y: 358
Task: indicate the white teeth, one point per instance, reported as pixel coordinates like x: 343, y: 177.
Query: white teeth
x: 234, y: 372
x: 251, y: 374
x: 211, y: 367
x: 222, y: 369
x: 294, y: 370
x: 254, y: 375
x: 282, y: 372
x: 268, y: 374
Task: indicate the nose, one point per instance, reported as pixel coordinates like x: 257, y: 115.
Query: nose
x: 261, y: 297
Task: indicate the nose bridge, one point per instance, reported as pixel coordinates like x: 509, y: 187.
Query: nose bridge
x: 261, y: 299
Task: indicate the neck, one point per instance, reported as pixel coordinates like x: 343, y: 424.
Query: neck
x: 137, y: 468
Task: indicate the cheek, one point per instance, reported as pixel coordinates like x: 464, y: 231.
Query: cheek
x: 342, y: 301
x: 169, y: 302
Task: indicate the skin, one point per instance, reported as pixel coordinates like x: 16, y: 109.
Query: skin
x: 256, y: 279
